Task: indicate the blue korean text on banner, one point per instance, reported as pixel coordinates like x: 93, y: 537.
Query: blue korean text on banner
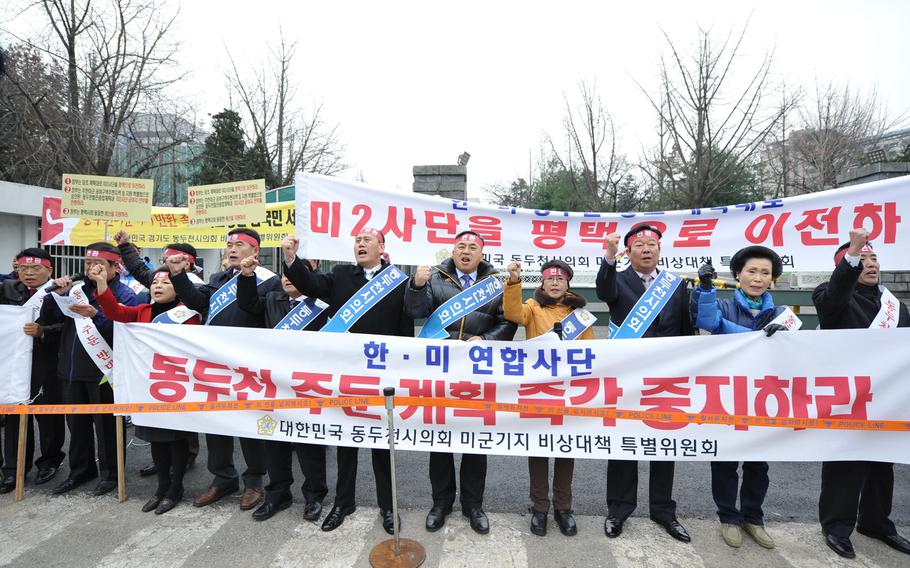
x: 647, y: 308
x: 227, y: 294
x: 368, y: 296
x: 576, y: 323
x: 302, y: 314
x: 460, y: 305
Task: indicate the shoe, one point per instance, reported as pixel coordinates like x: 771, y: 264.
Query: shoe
x: 312, y: 511
x: 895, y: 541
x: 68, y: 485
x: 841, y: 545
x: 732, y: 534
x: 152, y: 504
x: 612, y: 526
x: 538, y: 523
x: 335, y: 517
x: 213, y: 494
x: 566, y: 522
x: 8, y: 485
x: 388, y: 522
x: 104, y: 487
x: 45, y: 474
x: 479, y: 522
x: 674, y: 529
x: 436, y: 518
x: 250, y: 499
x: 149, y: 470
x: 759, y: 535
x: 268, y: 509
x: 167, y: 504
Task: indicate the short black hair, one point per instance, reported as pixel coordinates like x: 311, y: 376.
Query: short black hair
x: 756, y: 251
x: 36, y: 252
x: 639, y: 228
x: 184, y: 247
x: 245, y: 231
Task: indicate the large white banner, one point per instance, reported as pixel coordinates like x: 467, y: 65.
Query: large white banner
x: 15, y: 355
x: 806, y: 375
x: 805, y: 230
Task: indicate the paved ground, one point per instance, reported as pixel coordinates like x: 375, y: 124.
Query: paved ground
x: 79, y: 530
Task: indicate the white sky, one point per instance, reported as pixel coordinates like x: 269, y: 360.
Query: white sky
x: 420, y: 82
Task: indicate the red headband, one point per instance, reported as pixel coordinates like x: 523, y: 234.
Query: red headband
x: 172, y: 252
x: 242, y: 237
x: 471, y: 238
x: 867, y: 248
x: 555, y: 271
x: 162, y: 275
x: 644, y: 234
x: 371, y: 231
x: 33, y: 260
x: 102, y: 254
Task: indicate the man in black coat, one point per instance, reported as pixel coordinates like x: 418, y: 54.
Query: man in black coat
x: 35, y: 267
x: 429, y: 289
x: 853, y: 299
x: 242, y: 243
x: 273, y: 308
x: 621, y: 290
x: 387, y: 317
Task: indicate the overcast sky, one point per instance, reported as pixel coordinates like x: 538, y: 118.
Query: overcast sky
x: 420, y: 82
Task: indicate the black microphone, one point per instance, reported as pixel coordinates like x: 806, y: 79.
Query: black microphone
x: 78, y: 277
x: 557, y: 329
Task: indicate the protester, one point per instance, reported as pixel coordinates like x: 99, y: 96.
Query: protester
x: 35, y: 267
x: 218, y: 301
x: 552, y: 303
x: 170, y: 448
x: 429, y: 289
x: 82, y: 371
x: 386, y: 316
x: 273, y: 309
x: 621, y: 291
x: 751, y: 308
x: 857, y: 493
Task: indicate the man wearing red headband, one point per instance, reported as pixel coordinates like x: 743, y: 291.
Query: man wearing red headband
x: 82, y: 377
x: 241, y: 243
x: 386, y: 317
x: 853, y: 299
x: 34, y: 268
x: 621, y: 290
x: 429, y: 289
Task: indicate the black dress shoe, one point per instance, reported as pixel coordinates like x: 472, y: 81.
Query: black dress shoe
x: 152, y: 504
x: 335, y: 517
x: 436, y: 518
x: 104, y: 486
x: 45, y: 474
x: 538, y: 523
x: 68, y: 485
x: 388, y: 522
x: 8, y: 485
x: 149, y: 470
x: 674, y: 529
x: 566, y: 522
x: 841, y: 545
x: 612, y: 526
x: 479, y: 522
x: 895, y: 541
x: 166, y: 505
x: 312, y: 511
x: 268, y: 509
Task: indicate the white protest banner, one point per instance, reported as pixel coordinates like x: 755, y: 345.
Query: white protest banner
x: 15, y: 355
x: 790, y: 375
x: 805, y: 230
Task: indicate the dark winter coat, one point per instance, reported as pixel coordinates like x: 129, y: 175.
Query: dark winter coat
x: 844, y: 303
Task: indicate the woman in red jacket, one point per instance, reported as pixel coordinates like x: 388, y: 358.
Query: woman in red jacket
x: 170, y: 448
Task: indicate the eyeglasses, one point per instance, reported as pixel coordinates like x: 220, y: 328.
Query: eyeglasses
x: 29, y: 268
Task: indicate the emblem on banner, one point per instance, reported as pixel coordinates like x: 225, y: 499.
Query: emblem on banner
x: 266, y: 425
x: 442, y: 255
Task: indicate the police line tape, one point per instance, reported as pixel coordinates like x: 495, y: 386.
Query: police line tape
x: 410, y: 401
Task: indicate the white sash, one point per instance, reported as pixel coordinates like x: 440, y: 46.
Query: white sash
x: 86, y: 330
x: 37, y: 299
x: 788, y: 319
x: 177, y: 315
x: 889, y: 314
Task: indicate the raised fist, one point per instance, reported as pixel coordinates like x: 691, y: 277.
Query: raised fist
x: 611, y: 247
x: 858, y: 238
x: 706, y: 275
x: 121, y: 237
x: 514, y: 271
x: 248, y: 265
x: 177, y: 263
x: 289, y: 246
x: 422, y: 275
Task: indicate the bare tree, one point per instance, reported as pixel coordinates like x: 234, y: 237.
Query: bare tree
x: 293, y: 139
x: 709, y: 131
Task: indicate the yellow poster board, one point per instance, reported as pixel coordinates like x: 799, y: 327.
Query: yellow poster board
x: 220, y: 204
x: 105, y: 197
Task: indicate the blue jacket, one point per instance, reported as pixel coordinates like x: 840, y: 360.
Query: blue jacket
x: 732, y: 315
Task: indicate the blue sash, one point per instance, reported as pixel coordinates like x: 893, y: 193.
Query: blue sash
x: 177, y: 315
x: 576, y: 323
x: 227, y: 294
x: 647, y: 308
x: 301, y: 316
x: 460, y: 305
x: 368, y: 296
